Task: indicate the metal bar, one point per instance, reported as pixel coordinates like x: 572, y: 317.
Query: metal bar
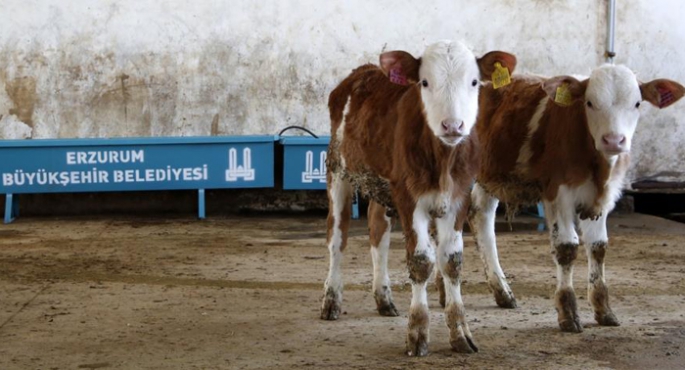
x: 355, y: 206
x: 541, y: 214
x: 541, y: 210
x: 611, y: 31
x: 9, y: 207
x: 201, y: 204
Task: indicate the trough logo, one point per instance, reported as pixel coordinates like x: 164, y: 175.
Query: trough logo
x: 244, y: 171
x: 312, y: 174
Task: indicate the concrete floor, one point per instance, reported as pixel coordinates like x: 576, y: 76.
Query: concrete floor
x: 244, y: 293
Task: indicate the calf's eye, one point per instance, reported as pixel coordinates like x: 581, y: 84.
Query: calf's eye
x: 589, y: 104
x: 637, y: 105
x: 424, y: 83
x: 474, y: 82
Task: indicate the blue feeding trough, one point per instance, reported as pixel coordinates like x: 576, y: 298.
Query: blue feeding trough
x: 134, y: 164
x: 304, y: 162
x: 304, y: 165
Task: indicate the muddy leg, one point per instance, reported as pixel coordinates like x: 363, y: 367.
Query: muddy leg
x: 561, y: 222
x: 449, y: 257
x: 440, y: 286
x: 420, y: 261
x: 338, y: 223
x: 594, y: 237
x: 380, y: 226
x: 482, y: 221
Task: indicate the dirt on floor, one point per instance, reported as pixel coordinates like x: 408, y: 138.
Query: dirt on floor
x: 245, y: 293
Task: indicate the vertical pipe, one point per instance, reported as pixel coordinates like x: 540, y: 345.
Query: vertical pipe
x: 611, y: 28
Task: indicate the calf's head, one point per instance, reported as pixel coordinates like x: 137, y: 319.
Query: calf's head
x: 448, y: 75
x: 611, y: 97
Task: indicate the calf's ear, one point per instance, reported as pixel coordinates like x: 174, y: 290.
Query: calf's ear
x: 662, y: 92
x: 400, y: 67
x: 565, y: 90
x: 487, y: 62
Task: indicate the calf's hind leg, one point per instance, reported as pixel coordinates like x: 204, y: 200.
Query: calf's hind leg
x: 338, y: 224
x: 380, y: 226
x: 594, y: 237
x: 482, y: 222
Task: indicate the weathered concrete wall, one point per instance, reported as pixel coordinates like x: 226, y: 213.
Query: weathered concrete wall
x: 83, y: 68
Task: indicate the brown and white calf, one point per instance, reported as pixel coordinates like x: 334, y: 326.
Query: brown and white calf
x: 401, y: 135
x: 566, y: 142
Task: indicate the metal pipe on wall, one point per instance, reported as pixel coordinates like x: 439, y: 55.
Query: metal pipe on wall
x: 611, y: 28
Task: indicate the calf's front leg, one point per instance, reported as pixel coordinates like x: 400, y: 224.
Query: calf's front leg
x: 594, y: 237
x: 449, y: 257
x: 560, y: 216
x: 420, y: 261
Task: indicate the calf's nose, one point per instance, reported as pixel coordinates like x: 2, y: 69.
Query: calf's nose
x: 452, y: 127
x: 614, y: 142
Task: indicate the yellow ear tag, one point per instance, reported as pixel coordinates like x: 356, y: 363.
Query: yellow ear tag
x: 500, y: 77
x: 563, y: 95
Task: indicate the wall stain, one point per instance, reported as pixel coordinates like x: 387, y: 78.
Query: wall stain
x: 124, y: 93
x: 22, y: 92
x: 215, y: 125
x: 124, y: 107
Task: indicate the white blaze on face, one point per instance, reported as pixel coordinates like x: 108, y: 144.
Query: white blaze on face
x: 449, y: 82
x: 612, y: 99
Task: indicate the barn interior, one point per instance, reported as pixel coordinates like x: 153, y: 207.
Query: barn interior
x: 141, y: 272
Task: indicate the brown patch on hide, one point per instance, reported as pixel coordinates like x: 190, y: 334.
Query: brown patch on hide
x: 378, y: 225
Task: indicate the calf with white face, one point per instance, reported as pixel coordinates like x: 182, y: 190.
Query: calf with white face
x: 401, y: 135
x: 573, y: 156
x: 612, y: 96
x: 449, y: 77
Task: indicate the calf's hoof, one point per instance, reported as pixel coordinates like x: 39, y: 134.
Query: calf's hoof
x: 571, y: 325
x: 505, y: 299
x: 463, y: 344
x: 568, y: 311
x: 607, y: 319
x: 332, y: 302
x: 384, y: 303
x: 417, y: 334
x: 417, y: 345
x: 388, y: 310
